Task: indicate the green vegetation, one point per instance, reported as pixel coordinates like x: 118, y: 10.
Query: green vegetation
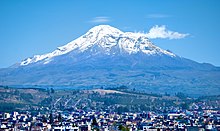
x: 9, y: 107
x: 120, y: 99
x: 123, y: 128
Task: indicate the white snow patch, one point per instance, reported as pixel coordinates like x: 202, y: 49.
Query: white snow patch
x: 106, y: 37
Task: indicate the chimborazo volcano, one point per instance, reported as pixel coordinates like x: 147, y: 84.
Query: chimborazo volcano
x: 108, y: 57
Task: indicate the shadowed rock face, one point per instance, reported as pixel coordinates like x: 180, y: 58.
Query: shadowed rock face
x: 106, y: 57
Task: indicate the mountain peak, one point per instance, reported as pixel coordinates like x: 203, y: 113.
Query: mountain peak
x: 105, y: 29
x: 106, y: 38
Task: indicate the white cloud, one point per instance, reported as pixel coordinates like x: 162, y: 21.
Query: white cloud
x: 100, y: 19
x: 158, y: 16
x: 161, y: 32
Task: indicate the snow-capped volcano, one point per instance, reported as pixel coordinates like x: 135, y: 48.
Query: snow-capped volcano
x: 108, y: 57
x: 107, y: 38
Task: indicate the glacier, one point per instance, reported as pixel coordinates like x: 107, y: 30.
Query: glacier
x: 106, y: 37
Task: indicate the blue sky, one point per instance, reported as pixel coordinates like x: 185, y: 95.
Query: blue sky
x: 35, y: 27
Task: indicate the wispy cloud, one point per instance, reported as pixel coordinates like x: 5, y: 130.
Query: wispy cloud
x: 158, y: 16
x: 161, y: 32
x: 100, y: 19
x: 126, y: 27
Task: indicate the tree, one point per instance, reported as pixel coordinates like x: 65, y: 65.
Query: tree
x: 51, y: 118
x: 44, y: 119
x: 52, y: 90
x: 59, y: 117
x: 120, y: 127
x: 133, y: 89
x: 123, y: 128
x: 94, y: 122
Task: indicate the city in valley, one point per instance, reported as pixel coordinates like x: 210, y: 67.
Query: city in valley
x: 105, y: 109
x: 114, y: 65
